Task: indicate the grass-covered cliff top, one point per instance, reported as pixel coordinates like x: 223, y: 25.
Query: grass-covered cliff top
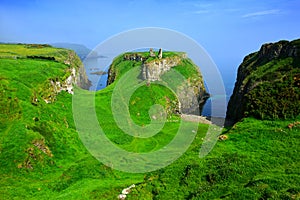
x: 123, y: 63
x: 39, y: 51
x: 173, y: 68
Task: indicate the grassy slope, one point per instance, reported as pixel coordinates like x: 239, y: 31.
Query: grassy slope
x: 259, y: 159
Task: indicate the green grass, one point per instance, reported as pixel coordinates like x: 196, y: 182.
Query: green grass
x: 259, y: 161
x: 42, y: 156
x: 24, y: 50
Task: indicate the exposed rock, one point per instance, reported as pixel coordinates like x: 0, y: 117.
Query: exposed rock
x: 280, y: 49
x: 223, y: 137
x: 125, y: 192
x: 154, y: 70
x: 191, y: 93
x: 111, y: 76
x: 122, y: 196
x: 266, y: 84
x: 190, y: 96
x: 82, y: 79
x: 77, y: 77
x: 66, y: 85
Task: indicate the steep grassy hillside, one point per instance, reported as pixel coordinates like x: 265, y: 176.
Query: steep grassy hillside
x: 35, y: 136
x: 42, y: 156
x: 268, y: 83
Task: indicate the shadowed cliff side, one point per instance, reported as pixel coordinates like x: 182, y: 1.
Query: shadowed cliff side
x: 268, y: 83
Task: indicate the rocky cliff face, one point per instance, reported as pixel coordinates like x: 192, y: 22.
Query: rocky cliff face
x: 267, y: 84
x: 191, y: 93
x: 76, y: 76
x: 152, y: 71
x: 77, y: 72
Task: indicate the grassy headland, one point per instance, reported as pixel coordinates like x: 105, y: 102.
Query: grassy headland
x: 42, y: 156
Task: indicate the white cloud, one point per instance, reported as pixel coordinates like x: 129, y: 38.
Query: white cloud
x: 261, y: 13
x: 198, y: 5
x: 201, y: 12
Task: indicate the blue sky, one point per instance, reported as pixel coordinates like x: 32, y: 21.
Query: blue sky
x: 228, y: 30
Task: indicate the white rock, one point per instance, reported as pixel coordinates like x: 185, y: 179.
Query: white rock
x: 122, y: 196
x: 126, y: 191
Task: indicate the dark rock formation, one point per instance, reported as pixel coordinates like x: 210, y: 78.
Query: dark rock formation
x: 266, y: 85
x: 280, y: 49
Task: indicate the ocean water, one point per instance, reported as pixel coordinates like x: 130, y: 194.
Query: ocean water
x: 219, y: 111
x: 228, y: 78
x: 93, y: 65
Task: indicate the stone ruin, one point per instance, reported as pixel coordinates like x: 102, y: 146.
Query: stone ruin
x: 151, y: 52
x: 160, y: 53
x: 139, y: 58
x: 134, y: 57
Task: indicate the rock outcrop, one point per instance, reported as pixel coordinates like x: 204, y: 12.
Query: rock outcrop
x: 76, y: 76
x: 152, y: 71
x: 77, y: 72
x: 191, y: 93
x: 267, y: 84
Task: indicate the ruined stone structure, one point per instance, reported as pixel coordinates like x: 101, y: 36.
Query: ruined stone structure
x: 134, y: 57
x: 151, y: 52
x: 160, y: 53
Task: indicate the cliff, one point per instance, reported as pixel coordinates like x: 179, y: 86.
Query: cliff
x: 191, y: 93
x: 36, y: 107
x: 67, y: 69
x: 267, y: 84
x: 153, y: 70
x: 77, y: 72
